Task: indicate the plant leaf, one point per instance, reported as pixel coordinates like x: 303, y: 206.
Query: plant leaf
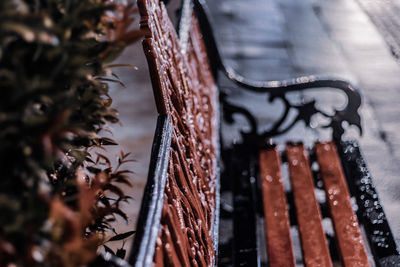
x: 122, y: 236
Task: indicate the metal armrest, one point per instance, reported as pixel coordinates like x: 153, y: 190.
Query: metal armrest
x: 305, y: 111
x: 279, y: 89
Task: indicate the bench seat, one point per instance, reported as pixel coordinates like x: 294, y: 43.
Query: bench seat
x: 314, y: 243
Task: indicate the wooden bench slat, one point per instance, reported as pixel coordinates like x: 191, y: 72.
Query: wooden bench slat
x: 277, y: 224
x: 314, y: 244
x: 159, y: 253
x: 170, y: 254
x: 344, y: 219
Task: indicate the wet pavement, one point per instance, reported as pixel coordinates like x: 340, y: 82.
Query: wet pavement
x: 278, y: 39
x: 385, y: 15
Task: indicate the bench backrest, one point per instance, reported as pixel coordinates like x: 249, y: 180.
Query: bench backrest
x: 185, y: 91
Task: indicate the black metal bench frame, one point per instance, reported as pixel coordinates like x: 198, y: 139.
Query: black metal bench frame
x: 245, y: 251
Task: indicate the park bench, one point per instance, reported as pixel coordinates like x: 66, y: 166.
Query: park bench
x: 191, y: 168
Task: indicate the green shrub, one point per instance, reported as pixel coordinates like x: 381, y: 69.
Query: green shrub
x: 55, y: 190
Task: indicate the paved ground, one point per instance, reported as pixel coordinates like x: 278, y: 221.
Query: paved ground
x: 385, y: 15
x: 277, y: 39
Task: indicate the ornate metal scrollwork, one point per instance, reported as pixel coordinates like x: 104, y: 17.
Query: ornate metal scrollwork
x: 305, y: 111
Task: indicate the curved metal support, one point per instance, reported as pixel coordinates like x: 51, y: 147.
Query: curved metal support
x: 184, y: 23
x: 278, y: 124
x: 278, y: 89
x: 148, y: 225
x: 229, y: 110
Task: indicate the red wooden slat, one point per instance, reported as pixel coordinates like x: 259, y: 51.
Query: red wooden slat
x: 314, y: 244
x: 277, y: 224
x: 344, y: 219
